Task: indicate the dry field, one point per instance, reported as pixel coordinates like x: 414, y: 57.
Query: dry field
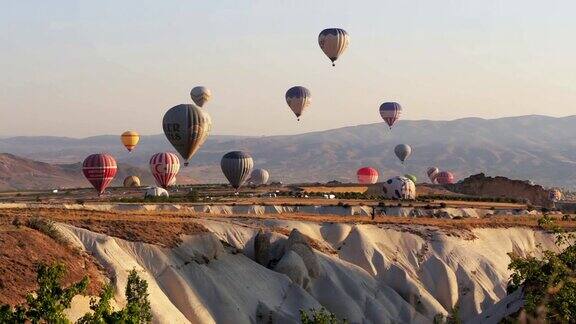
x: 164, y: 227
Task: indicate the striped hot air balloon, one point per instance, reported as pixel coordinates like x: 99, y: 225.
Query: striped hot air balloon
x: 186, y: 127
x: 412, y: 177
x: 390, y: 112
x: 367, y: 175
x: 333, y: 42
x: 130, y: 140
x: 236, y: 166
x: 403, y: 152
x: 164, y: 167
x: 100, y: 170
x: 200, y: 95
x: 432, y: 172
x: 445, y: 177
x: 298, y: 99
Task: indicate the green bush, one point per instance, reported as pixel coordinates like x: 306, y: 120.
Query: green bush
x: 137, y: 308
x: 549, y: 282
x: 47, y: 227
x: 48, y: 302
x: 319, y: 316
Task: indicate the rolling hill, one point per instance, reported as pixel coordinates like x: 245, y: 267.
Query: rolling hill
x: 17, y: 173
x: 538, y: 148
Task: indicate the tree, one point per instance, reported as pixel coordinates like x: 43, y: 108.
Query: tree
x: 319, y: 316
x: 48, y: 303
x: 137, y: 310
x: 549, y: 282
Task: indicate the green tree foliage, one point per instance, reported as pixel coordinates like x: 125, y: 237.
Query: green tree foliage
x: 548, y: 282
x: 137, y: 309
x: 319, y: 316
x: 48, y: 303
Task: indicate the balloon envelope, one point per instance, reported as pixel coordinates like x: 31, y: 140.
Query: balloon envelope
x: 100, y: 170
x: 398, y: 188
x: 236, y: 166
x: 555, y: 195
x: 200, y: 95
x: 390, y: 112
x: 186, y: 127
x: 333, y: 42
x: 367, y: 175
x: 298, y: 99
x: 164, y: 167
x: 130, y: 140
x: 412, y: 177
x: 445, y: 177
x: 403, y: 151
x: 259, y: 177
x: 156, y: 192
x: 432, y: 172
x: 131, y: 181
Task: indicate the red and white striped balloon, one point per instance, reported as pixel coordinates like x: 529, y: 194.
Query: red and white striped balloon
x: 367, y: 175
x: 164, y: 167
x: 100, y: 170
x: 444, y: 177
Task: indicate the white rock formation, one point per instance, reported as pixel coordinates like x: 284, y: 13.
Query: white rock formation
x: 378, y: 274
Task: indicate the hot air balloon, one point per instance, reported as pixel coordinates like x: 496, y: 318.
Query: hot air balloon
x: 200, y: 95
x: 555, y: 195
x: 412, y: 177
x: 259, y: 177
x: 100, y: 170
x: 130, y: 140
x: 298, y: 99
x: 170, y: 184
x: 444, y: 177
x: 403, y: 151
x: 390, y: 112
x: 131, y: 182
x: 156, y: 192
x: 367, y: 175
x: 398, y: 188
x: 333, y: 42
x: 236, y: 166
x: 432, y: 172
x: 186, y: 127
x: 164, y: 167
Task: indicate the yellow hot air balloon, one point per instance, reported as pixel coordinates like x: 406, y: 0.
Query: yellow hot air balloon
x: 132, y: 182
x: 130, y: 140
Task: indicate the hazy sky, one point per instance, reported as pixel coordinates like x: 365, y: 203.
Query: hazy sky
x: 82, y: 68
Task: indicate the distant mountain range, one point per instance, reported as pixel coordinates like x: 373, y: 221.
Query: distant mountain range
x: 538, y: 148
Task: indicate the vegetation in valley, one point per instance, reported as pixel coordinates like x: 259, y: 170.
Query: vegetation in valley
x: 319, y: 316
x: 548, y: 282
x: 48, y: 303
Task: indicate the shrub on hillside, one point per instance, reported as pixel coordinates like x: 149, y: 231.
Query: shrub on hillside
x: 47, y: 227
x: 548, y: 282
x: 319, y: 316
x: 48, y: 302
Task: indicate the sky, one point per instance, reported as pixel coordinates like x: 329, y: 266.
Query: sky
x: 84, y: 68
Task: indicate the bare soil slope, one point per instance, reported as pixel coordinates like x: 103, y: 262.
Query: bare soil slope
x: 22, y: 249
